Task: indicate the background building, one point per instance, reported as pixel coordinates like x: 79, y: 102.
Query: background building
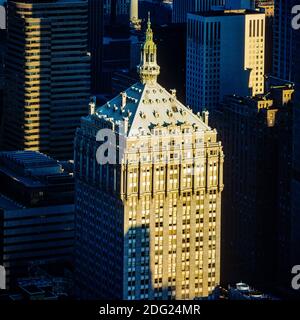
x: 148, y: 227
x: 121, y: 52
x: 182, y: 7
x: 95, y: 34
x: 295, y: 192
x: 286, y: 64
x: 161, y: 11
x: 2, y: 76
x: 47, y: 75
x: 116, y: 11
x: 286, y: 44
x: 268, y: 7
x: 222, y: 45
x: 257, y: 136
x: 36, y: 213
x: 171, y: 43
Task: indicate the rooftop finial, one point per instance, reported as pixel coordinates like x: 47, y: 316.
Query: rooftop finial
x: 148, y: 68
x: 149, y: 20
x: 149, y: 33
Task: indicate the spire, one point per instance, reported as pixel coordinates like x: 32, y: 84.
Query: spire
x: 149, y: 22
x: 148, y: 68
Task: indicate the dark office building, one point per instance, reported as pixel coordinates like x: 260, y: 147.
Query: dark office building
x: 287, y: 66
x: 121, y: 53
x: 171, y: 43
x: 95, y: 38
x: 2, y: 78
x: 257, y: 137
x: 161, y: 12
x: 116, y: 12
x: 286, y: 44
x: 36, y: 214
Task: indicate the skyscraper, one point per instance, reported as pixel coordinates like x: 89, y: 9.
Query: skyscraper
x: 95, y: 34
x: 182, y: 7
x: 2, y: 54
x: 116, y: 11
x: 225, y: 55
x: 36, y: 213
x: 257, y: 137
x: 268, y: 7
x: 47, y: 75
x: 295, y: 192
x: 286, y: 65
x: 148, y: 222
x: 286, y: 44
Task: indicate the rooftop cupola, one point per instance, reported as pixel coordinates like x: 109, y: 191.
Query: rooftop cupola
x: 148, y: 68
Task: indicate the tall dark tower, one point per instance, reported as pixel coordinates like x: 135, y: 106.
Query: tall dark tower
x: 95, y: 37
x: 286, y: 43
x: 286, y: 64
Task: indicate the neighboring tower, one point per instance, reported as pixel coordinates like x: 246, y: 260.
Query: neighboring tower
x: 116, y: 11
x: 240, y: 4
x: 225, y: 55
x: 182, y: 7
x: 134, y: 15
x: 3, y: 47
x: 95, y: 40
x: 256, y: 227
x: 36, y: 214
x: 295, y: 193
x: 286, y: 63
x: 268, y: 7
x: 148, y: 220
x: 48, y: 75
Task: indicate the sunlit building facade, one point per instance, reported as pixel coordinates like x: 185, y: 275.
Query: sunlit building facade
x: 225, y: 55
x: 47, y: 75
x: 268, y: 7
x: 148, y: 227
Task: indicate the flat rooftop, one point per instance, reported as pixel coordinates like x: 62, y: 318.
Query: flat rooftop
x: 225, y: 13
x: 31, y: 168
x: 28, y: 159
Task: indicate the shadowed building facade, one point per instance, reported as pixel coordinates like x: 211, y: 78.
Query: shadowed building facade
x: 257, y: 136
x: 286, y: 44
x: 182, y: 7
x: 95, y: 41
x: 36, y: 214
x: 147, y: 227
x: 286, y: 62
